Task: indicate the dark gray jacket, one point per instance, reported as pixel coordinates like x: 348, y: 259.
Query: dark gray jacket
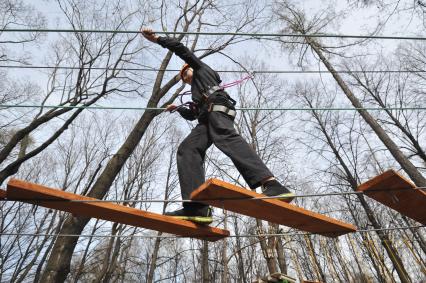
x: 203, y: 77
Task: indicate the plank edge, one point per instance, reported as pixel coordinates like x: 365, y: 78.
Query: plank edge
x: 28, y: 186
x: 345, y: 227
x: 370, y: 184
x: 3, y: 194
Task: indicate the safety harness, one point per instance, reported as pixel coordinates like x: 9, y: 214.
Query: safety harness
x: 224, y: 109
x: 213, y: 107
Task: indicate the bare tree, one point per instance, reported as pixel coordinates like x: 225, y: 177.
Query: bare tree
x: 296, y: 21
x: 344, y: 174
x: 171, y: 182
x: 16, y: 13
x: 81, y: 91
x: 57, y: 267
x: 389, y: 90
x: 13, y: 14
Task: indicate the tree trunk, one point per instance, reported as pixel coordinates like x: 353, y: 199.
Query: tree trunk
x: 329, y: 262
x: 282, y: 262
x: 154, y: 257
x: 384, y: 238
x: 80, y: 267
x: 417, y: 234
x: 379, y: 275
x: 105, y: 263
x: 414, y: 142
x: 385, y: 241
x: 58, y: 264
x: 297, y: 266
x: 57, y: 269
x: 153, y: 263
x: 267, y: 252
x: 113, y: 262
x: 404, y: 162
x: 370, y: 244
x: 224, y: 278
x: 240, y: 257
x: 27, y: 253
x: 48, y: 248
x: 205, y: 262
x: 314, y: 258
x: 357, y: 257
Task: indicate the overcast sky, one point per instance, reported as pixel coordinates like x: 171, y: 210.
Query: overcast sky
x: 356, y: 21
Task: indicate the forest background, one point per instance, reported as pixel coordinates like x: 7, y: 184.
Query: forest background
x: 302, y: 117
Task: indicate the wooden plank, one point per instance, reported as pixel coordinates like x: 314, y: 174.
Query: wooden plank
x: 398, y: 193
x: 2, y: 194
x: 224, y: 195
x: 27, y: 192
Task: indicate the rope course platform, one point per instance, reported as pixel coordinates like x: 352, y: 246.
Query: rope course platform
x: 398, y: 193
x: 224, y: 195
x: 389, y: 188
x: 30, y: 192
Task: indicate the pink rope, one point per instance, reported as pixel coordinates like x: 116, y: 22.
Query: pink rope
x: 250, y: 76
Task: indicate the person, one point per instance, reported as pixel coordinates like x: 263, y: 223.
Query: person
x: 215, y: 112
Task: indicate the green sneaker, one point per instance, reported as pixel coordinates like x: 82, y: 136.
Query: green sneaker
x: 288, y: 197
x: 273, y: 188
x: 200, y: 216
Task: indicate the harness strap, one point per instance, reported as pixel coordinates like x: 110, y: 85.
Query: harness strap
x: 224, y: 109
x: 212, y: 90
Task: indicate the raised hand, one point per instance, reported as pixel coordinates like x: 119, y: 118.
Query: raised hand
x: 149, y: 34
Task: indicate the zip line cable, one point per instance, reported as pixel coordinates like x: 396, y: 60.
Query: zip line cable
x: 207, y: 199
x: 220, y: 71
x: 182, y: 237
x: 237, y: 108
x: 218, y: 33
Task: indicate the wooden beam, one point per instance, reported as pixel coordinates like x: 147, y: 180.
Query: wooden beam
x: 398, y: 193
x: 2, y: 194
x: 45, y: 196
x: 224, y: 195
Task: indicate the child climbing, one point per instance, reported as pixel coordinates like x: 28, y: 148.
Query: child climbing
x: 215, y: 111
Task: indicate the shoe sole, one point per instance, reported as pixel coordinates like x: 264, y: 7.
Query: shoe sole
x: 196, y: 219
x: 288, y: 197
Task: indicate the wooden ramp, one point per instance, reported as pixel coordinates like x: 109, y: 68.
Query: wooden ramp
x: 394, y: 191
x: 27, y: 192
x: 273, y: 210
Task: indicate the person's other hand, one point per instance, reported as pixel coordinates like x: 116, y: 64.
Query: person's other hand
x: 149, y: 34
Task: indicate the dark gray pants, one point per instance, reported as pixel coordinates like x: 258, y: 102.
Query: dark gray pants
x: 218, y: 129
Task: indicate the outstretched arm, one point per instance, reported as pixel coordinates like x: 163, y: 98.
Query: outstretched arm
x: 175, y: 46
